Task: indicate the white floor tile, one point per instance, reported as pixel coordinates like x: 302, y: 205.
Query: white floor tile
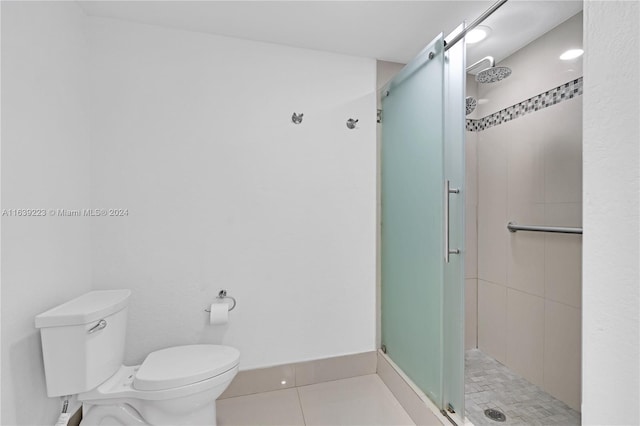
x: 281, y: 408
x: 363, y: 400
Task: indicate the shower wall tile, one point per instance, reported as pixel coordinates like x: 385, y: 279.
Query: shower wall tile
x: 492, y: 320
x: 471, y: 314
x: 526, y: 256
x: 562, y: 350
x: 525, y: 335
x: 471, y: 243
x: 563, y: 268
x: 563, y: 214
x: 492, y: 167
x: 471, y: 168
x: 492, y: 207
x: 471, y: 231
x: 492, y: 243
x: 471, y: 203
x: 526, y: 173
x: 562, y: 134
x: 563, y: 255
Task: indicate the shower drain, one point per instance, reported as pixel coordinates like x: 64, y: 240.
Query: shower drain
x: 495, y: 415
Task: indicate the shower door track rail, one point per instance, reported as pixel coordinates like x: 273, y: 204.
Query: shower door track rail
x: 419, y: 59
x: 475, y: 23
x: 514, y: 227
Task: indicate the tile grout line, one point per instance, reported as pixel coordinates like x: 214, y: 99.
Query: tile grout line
x: 336, y: 380
x: 304, y: 419
x: 508, y: 287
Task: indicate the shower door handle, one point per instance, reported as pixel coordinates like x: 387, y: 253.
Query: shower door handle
x: 448, y: 191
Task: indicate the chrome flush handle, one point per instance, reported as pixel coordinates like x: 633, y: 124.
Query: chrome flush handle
x: 99, y: 326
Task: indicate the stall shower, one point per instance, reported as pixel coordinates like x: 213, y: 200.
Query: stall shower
x: 523, y: 289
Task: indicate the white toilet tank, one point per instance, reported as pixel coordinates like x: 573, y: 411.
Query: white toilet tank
x: 83, y: 341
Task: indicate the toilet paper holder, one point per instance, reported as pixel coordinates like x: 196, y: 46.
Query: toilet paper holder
x: 223, y: 295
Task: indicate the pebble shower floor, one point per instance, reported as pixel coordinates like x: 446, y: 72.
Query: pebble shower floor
x: 491, y: 385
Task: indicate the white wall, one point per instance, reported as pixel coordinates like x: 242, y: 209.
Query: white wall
x: 38, y: 170
x: 611, y: 298
x: 45, y: 164
x: 192, y: 134
x: 530, y: 172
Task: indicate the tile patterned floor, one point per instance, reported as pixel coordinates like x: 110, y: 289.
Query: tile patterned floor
x: 489, y: 384
x: 363, y: 400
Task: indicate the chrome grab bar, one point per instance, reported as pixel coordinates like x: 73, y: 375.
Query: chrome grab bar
x: 447, y: 191
x: 513, y: 227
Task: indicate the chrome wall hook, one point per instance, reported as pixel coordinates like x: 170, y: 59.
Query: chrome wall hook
x: 351, y: 123
x: 296, y: 119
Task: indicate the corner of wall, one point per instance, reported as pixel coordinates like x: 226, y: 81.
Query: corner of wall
x: 611, y: 325
x: 45, y: 167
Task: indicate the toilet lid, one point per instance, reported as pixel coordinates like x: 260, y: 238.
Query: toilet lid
x: 184, y: 365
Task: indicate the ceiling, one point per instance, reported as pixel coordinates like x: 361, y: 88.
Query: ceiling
x: 388, y: 30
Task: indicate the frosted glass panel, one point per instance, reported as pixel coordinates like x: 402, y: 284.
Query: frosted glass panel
x: 422, y: 294
x: 412, y: 220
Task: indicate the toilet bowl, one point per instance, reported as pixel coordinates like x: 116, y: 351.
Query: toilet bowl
x: 83, y: 349
x: 173, y: 386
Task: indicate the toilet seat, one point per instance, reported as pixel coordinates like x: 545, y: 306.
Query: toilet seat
x: 121, y: 385
x: 183, y: 365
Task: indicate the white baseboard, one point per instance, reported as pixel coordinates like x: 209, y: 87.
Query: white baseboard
x: 301, y: 374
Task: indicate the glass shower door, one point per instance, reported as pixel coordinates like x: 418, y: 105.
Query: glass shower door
x: 454, y: 170
x: 414, y: 268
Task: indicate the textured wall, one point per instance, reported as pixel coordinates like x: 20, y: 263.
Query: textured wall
x: 192, y: 133
x: 45, y: 165
x: 611, y: 299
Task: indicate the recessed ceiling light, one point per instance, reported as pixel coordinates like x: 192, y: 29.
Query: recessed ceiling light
x: 477, y: 34
x: 571, y: 54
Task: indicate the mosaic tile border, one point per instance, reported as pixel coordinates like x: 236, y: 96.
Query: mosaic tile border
x: 551, y: 97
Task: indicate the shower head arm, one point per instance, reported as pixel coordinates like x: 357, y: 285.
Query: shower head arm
x: 492, y: 63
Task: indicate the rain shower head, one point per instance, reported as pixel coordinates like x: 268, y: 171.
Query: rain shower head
x: 492, y: 73
x: 470, y: 105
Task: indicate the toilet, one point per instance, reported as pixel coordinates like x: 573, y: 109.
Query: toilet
x: 83, y: 349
